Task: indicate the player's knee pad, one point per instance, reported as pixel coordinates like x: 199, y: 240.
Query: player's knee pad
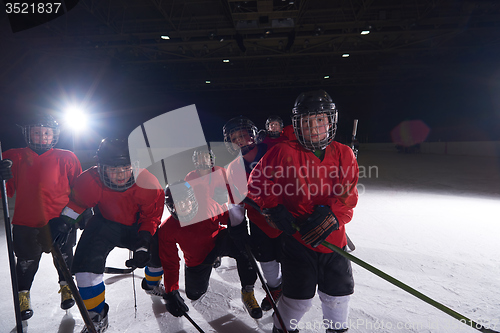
x: 292, y: 310
x: 27, y: 265
x: 86, y: 279
x: 335, y: 309
x: 272, y: 272
x: 196, y: 295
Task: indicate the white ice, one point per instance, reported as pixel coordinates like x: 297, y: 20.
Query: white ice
x: 431, y: 221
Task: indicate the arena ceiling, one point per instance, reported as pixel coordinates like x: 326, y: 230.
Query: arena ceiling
x: 230, y: 44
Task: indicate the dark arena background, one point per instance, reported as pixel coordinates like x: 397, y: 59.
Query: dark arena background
x: 421, y: 76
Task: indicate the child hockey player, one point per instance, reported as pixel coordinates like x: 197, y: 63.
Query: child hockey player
x: 310, y: 183
x: 41, y: 177
x: 128, y: 205
x: 196, y: 224
x: 240, y: 136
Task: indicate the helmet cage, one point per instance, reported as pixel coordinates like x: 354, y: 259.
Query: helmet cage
x: 103, y: 170
x: 330, y: 134
x: 274, y: 134
x: 200, y: 162
x: 182, y: 191
x: 49, y: 123
x: 239, y: 124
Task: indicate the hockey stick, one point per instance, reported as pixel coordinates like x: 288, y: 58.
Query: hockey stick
x: 353, y: 138
x: 394, y: 281
x: 56, y: 253
x: 253, y: 262
x: 350, y: 245
x: 12, y: 259
x: 115, y: 270
x: 193, y: 322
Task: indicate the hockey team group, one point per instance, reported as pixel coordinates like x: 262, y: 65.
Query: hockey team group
x: 298, y: 191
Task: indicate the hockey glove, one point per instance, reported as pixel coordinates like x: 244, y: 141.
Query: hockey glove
x: 5, y: 169
x: 321, y: 223
x: 141, y: 253
x: 60, y: 227
x: 175, y: 303
x: 280, y: 218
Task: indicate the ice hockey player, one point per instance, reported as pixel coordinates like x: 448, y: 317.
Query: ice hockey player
x: 318, y: 193
x: 41, y: 176
x: 239, y: 136
x: 196, y: 225
x: 274, y: 128
x: 128, y: 204
x: 207, y: 175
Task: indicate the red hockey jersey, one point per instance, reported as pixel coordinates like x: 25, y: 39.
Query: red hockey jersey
x: 289, y: 132
x: 42, y: 184
x: 238, y: 186
x: 290, y: 175
x: 195, y: 240
x: 270, y: 142
x: 123, y: 207
x: 208, y: 183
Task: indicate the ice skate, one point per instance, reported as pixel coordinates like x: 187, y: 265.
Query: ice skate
x: 157, y: 290
x: 276, y: 293
x: 67, y: 300
x: 25, y: 305
x: 100, y: 320
x: 251, y: 304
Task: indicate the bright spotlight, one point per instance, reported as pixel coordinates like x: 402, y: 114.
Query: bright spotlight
x: 76, y: 118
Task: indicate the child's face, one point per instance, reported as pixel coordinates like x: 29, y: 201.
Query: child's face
x: 241, y: 138
x: 204, y: 159
x: 183, y: 207
x: 274, y: 126
x: 41, y: 135
x: 119, y: 175
x: 315, y: 127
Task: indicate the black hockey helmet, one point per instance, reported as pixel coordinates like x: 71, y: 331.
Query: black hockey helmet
x: 274, y: 118
x: 43, y: 121
x: 177, y: 195
x: 200, y: 160
x: 237, y: 124
x: 314, y: 103
x: 113, y: 154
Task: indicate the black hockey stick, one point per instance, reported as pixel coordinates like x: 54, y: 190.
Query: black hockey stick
x: 350, y: 245
x: 253, y: 262
x: 115, y: 270
x: 12, y: 259
x: 56, y: 253
x: 193, y: 322
x: 396, y: 282
x: 353, y: 138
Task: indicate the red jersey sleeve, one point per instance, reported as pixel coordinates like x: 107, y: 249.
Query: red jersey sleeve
x: 86, y: 191
x: 289, y: 174
x: 151, y: 203
x: 345, y: 196
x: 289, y: 133
x: 42, y: 184
x: 169, y: 254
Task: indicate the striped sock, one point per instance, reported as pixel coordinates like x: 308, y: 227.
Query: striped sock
x: 153, y: 275
x: 92, y: 290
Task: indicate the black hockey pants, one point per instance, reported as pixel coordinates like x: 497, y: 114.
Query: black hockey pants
x: 197, y: 277
x: 29, y: 244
